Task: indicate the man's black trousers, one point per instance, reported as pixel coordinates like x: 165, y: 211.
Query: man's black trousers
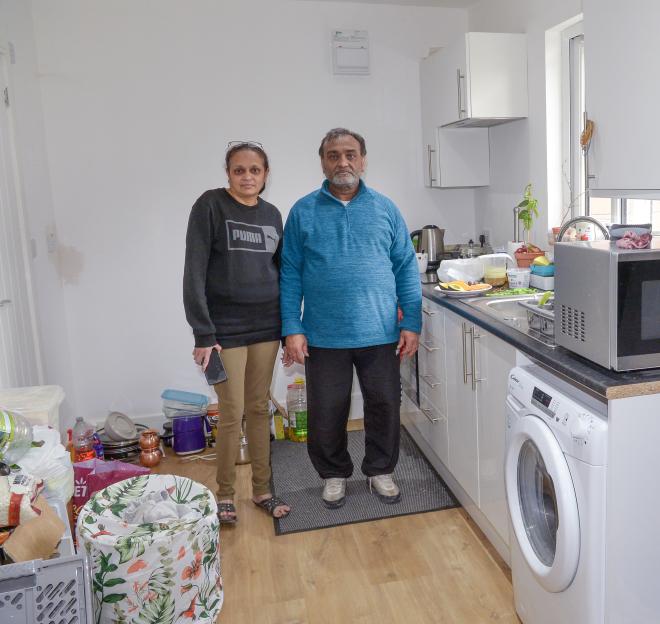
x: 329, y: 381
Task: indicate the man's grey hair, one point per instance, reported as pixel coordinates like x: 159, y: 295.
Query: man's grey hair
x: 335, y: 133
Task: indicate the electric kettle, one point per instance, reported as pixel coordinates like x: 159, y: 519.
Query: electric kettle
x: 430, y: 239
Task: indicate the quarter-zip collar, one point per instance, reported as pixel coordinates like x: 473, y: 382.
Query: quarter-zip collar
x: 325, y: 188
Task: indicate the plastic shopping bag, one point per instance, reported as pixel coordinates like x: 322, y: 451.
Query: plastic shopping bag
x: 95, y: 474
x: 50, y: 462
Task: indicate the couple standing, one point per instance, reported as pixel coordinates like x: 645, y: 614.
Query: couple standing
x: 347, y: 255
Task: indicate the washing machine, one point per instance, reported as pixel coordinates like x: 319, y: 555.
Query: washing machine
x: 555, y: 467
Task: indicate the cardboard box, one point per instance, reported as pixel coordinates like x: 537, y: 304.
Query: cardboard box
x: 37, y: 538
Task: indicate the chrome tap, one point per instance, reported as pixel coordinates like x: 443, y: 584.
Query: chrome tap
x: 596, y: 222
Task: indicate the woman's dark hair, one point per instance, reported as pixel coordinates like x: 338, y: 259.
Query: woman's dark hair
x: 253, y: 147
x: 335, y: 133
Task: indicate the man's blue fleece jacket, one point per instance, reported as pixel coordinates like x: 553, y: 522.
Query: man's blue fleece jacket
x: 349, y: 266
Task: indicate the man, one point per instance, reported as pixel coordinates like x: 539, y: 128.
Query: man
x: 347, y: 253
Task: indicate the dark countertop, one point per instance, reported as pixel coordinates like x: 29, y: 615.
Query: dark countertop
x: 602, y: 383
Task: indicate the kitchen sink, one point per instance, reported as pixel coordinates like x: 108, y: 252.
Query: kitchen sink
x: 509, y: 311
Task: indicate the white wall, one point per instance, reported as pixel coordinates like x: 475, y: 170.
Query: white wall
x: 518, y: 149
x: 139, y: 100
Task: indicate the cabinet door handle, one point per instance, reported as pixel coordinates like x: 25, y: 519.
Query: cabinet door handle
x: 428, y: 313
x: 428, y: 378
x: 430, y: 159
x: 465, y: 371
x: 425, y: 412
x: 423, y: 344
x: 459, y: 77
x: 473, y: 354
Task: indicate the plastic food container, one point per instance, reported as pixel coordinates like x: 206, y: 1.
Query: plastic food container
x: 39, y: 405
x: 543, y: 271
x: 189, y: 434
x: 518, y: 278
x: 495, y: 266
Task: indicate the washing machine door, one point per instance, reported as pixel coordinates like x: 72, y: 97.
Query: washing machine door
x: 542, y: 503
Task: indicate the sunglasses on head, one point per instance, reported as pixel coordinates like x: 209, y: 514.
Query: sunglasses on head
x: 232, y: 144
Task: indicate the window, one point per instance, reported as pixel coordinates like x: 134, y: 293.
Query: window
x: 576, y: 198
x: 576, y: 160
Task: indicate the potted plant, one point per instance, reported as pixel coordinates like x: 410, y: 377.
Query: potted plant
x: 526, y: 253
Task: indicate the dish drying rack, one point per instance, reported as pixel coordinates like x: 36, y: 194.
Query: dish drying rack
x: 541, y: 320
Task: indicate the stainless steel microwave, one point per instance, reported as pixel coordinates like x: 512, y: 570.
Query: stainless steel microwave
x: 607, y: 303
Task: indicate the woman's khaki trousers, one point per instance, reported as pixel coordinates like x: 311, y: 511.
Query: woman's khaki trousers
x: 246, y: 391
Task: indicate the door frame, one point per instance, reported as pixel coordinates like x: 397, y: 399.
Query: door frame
x: 14, y: 179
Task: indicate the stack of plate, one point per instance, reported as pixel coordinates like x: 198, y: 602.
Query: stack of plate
x: 126, y: 450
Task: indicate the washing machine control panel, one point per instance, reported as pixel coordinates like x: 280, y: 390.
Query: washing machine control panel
x: 544, y: 402
x: 580, y: 430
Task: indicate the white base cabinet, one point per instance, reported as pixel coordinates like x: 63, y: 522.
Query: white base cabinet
x: 463, y: 372
x: 495, y: 358
x: 432, y: 380
x: 462, y: 405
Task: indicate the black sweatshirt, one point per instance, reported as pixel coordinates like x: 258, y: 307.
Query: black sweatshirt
x: 231, y: 276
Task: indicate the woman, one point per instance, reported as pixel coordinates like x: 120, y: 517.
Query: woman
x: 231, y: 298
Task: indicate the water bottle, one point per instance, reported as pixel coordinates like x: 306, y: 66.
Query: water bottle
x: 83, y: 440
x: 297, y: 411
x: 15, y: 436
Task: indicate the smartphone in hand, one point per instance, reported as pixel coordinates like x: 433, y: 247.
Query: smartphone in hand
x: 215, y: 371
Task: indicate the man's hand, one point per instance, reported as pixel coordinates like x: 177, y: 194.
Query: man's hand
x: 202, y: 355
x: 408, y: 343
x: 296, y: 347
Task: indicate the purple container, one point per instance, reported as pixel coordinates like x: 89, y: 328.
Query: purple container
x: 188, y: 434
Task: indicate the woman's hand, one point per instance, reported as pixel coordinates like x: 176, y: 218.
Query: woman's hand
x: 287, y: 358
x: 201, y: 355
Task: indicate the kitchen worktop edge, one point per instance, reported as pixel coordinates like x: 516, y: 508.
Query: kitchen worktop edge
x: 603, y: 383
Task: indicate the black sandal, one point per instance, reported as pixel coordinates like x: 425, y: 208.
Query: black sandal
x: 227, y: 508
x: 269, y: 505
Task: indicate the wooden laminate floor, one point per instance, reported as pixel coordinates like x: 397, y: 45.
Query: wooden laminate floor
x: 428, y: 568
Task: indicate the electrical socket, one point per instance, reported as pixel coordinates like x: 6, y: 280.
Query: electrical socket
x: 51, y: 238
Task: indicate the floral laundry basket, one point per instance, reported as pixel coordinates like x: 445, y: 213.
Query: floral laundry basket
x: 152, y: 543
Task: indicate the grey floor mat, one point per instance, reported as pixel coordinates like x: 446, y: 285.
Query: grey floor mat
x: 296, y: 481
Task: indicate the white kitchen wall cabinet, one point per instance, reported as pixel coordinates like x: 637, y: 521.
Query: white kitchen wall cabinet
x: 478, y: 81
x: 622, y: 48
x: 483, y: 80
x: 452, y: 158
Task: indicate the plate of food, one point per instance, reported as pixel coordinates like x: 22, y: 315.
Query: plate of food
x: 461, y: 290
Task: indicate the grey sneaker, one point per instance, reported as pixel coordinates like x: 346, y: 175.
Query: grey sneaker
x: 334, y: 492
x: 385, y: 488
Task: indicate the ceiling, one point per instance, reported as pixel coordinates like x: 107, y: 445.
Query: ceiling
x: 458, y: 4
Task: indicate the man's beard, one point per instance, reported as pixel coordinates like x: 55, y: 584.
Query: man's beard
x: 347, y: 180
